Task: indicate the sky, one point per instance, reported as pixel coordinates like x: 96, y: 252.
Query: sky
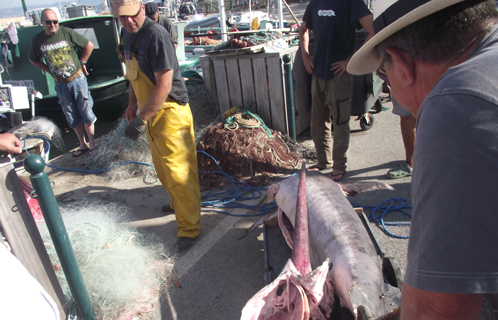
x: 42, y: 3
x: 13, y: 8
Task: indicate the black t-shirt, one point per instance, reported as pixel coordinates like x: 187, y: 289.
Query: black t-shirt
x: 334, y: 23
x: 168, y: 25
x: 156, y: 53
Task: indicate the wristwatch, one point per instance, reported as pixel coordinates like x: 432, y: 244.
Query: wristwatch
x: 83, y: 63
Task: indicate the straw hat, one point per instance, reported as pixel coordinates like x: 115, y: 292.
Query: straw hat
x: 125, y: 7
x: 390, y: 16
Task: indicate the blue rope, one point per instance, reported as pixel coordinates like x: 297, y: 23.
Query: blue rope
x: 231, y: 196
x: 379, y: 212
x: 46, y: 146
x: 219, y: 198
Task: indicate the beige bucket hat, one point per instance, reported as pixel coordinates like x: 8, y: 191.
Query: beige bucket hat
x: 125, y: 7
x: 390, y: 16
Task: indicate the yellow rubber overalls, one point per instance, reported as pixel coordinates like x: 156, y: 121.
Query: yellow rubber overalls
x: 170, y: 134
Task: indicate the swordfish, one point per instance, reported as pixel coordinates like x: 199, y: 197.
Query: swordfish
x: 305, y: 294
x: 336, y: 233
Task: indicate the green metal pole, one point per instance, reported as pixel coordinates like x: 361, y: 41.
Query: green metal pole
x: 34, y: 164
x: 291, y: 112
x: 24, y: 8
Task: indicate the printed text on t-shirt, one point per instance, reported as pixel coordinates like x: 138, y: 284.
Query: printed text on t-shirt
x: 326, y: 13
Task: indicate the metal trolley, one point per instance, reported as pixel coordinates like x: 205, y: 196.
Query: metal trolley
x: 366, y: 92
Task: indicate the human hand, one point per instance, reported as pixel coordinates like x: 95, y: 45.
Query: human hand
x: 308, y: 63
x: 135, y: 128
x: 131, y: 112
x: 9, y: 143
x: 85, y: 71
x: 363, y: 313
x: 339, y: 67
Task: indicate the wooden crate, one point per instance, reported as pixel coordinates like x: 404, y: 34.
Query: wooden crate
x: 256, y: 82
x: 21, y: 232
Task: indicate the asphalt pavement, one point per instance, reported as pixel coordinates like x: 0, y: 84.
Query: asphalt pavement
x: 216, y: 277
x: 219, y: 274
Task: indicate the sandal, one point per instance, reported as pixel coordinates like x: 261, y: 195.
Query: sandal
x: 79, y: 152
x: 91, y: 151
x: 402, y: 171
x: 338, y: 176
x: 318, y: 167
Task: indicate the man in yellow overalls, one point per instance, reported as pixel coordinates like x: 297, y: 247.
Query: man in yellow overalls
x: 159, y: 94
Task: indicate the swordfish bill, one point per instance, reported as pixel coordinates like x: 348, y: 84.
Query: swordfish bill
x: 301, y: 251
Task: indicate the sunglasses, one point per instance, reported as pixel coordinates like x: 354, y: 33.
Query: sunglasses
x: 134, y: 16
x: 49, y: 22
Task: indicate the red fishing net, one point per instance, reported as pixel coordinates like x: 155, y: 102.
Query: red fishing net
x: 249, y: 155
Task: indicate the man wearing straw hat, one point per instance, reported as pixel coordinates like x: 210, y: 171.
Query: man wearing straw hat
x: 441, y: 58
x: 158, y: 105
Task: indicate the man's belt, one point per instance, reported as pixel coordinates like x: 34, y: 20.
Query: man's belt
x: 71, y: 78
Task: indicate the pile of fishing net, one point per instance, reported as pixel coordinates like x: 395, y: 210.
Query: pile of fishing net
x: 120, y: 157
x: 39, y: 128
x: 243, y: 147
x: 124, y: 272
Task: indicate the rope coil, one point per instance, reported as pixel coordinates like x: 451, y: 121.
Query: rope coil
x: 244, y: 118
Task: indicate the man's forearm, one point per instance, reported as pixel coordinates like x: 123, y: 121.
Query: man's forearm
x: 367, y: 24
x: 156, y: 99
x: 304, y: 41
x: 41, y: 65
x: 425, y: 305
x: 164, y: 81
x: 132, y: 99
x: 87, y: 52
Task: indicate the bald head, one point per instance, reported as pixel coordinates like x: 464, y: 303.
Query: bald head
x: 44, y: 11
x: 50, y: 21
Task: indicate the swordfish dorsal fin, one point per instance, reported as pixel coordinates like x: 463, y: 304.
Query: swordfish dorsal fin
x: 353, y: 188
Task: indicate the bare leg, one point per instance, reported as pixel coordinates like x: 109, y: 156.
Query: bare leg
x: 424, y: 305
x: 81, y: 136
x: 408, y: 133
x: 90, y: 132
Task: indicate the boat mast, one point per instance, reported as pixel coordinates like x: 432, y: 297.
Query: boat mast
x: 280, y: 14
x: 63, y: 13
x: 24, y: 8
x: 223, y: 22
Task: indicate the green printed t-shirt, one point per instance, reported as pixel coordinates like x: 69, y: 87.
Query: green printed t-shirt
x: 59, y: 51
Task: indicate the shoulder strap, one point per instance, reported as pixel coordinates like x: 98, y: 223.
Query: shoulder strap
x: 134, y: 45
x: 120, y: 47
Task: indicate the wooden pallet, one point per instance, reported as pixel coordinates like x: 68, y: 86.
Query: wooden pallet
x: 256, y: 82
